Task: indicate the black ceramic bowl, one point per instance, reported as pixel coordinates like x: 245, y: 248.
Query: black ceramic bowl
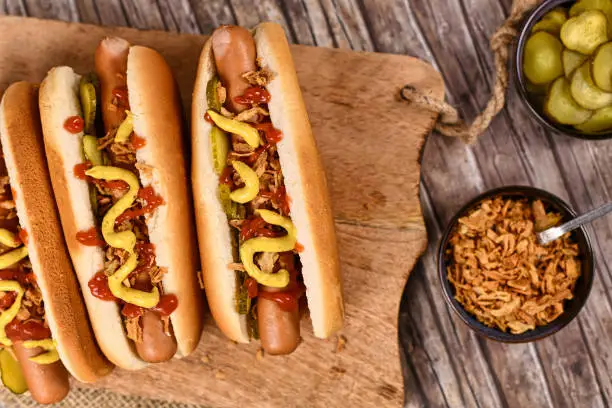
x: 583, y: 285
x: 521, y: 82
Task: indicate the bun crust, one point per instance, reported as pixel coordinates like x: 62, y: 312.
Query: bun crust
x: 155, y: 103
x: 22, y: 145
x: 304, y: 180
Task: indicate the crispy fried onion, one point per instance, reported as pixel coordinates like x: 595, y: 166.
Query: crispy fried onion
x: 502, y: 275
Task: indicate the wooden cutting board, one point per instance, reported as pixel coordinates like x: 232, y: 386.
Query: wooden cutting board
x: 370, y: 142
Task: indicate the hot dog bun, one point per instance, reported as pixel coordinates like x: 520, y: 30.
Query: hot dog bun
x: 22, y: 146
x: 154, y: 102
x: 305, y: 182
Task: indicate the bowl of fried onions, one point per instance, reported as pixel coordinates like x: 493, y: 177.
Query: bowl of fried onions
x: 499, y: 280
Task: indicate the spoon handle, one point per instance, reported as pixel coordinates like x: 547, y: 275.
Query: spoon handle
x: 550, y: 234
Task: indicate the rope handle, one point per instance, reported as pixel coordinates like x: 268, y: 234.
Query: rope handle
x: 449, y: 122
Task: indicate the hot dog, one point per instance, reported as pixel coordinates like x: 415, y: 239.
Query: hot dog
x: 123, y: 201
x: 262, y: 206
x: 41, y: 313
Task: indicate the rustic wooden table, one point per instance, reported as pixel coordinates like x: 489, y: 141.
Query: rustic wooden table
x: 446, y: 364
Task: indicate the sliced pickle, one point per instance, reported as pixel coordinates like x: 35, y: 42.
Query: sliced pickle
x: 220, y: 145
x: 602, y: 67
x: 551, y: 22
x: 542, y: 59
x: 585, y: 92
x: 571, y: 61
x: 605, y: 6
x: 233, y: 210
x: 600, y: 121
x: 87, y: 93
x: 585, y: 32
x: 212, y: 97
x: 93, y: 199
x: 10, y: 370
x: 90, y: 148
x: 561, y: 107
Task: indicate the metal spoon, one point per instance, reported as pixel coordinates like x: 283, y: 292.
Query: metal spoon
x: 550, y: 234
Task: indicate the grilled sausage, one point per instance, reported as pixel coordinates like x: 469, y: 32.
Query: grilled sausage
x: 279, y: 330
x: 48, y: 383
x: 234, y: 51
x: 156, y: 346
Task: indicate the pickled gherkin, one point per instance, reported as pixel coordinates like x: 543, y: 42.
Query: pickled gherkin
x: 233, y: 210
x: 10, y: 370
x: 561, y: 107
x: 600, y: 121
x: 571, y: 61
x: 90, y: 148
x: 212, y: 97
x: 605, y: 6
x: 542, y: 59
x: 220, y: 145
x: 551, y: 22
x: 585, y: 92
x: 585, y: 32
x: 602, y: 67
x: 87, y: 94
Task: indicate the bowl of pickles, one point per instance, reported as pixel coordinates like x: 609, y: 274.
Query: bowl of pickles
x: 563, y: 66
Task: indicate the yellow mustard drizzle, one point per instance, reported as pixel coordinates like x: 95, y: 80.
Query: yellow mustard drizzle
x: 125, y: 129
x: 12, y: 257
x: 244, y: 130
x: 7, y: 238
x: 249, y: 248
x: 9, y: 314
x: 51, y: 355
x: 251, y: 183
x: 125, y: 240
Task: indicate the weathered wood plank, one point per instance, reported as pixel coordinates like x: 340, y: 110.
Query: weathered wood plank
x: 249, y: 14
x: 179, y: 16
x: 347, y: 24
x: 212, y: 13
x: 108, y: 13
x: 143, y: 14
x: 59, y: 9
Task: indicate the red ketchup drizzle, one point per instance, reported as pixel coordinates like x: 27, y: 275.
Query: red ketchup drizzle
x: 146, y: 253
x: 253, y: 94
x: 98, y: 285
x: 28, y: 330
x: 121, y: 99
x: 130, y: 311
x: 7, y: 300
x: 153, y: 201
x: 287, y: 300
x: 23, y: 236
x: 256, y: 227
x: 299, y: 247
x: 252, y: 289
x: 272, y: 134
x: 13, y: 192
x: 280, y: 198
x: 74, y: 124
x: 137, y: 142
x: 80, y: 169
x: 208, y: 118
x: 166, y: 305
x: 226, y: 176
x: 89, y: 237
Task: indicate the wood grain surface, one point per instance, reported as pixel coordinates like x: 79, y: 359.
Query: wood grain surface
x: 370, y: 142
x: 446, y: 365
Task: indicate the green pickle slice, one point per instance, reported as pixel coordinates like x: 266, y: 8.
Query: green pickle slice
x: 10, y: 371
x: 220, y: 145
x: 90, y: 148
x: 585, y: 32
x: 602, y: 67
x: 551, y: 22
x: 542, y: 60
x: 600, y: 121
x: 561, y: 107
x: 571, y: 61
x: 605, y: 6
x: 233, y: 210
x: 585, y: 92
x: 212, y: 98
x: 87, y: 93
